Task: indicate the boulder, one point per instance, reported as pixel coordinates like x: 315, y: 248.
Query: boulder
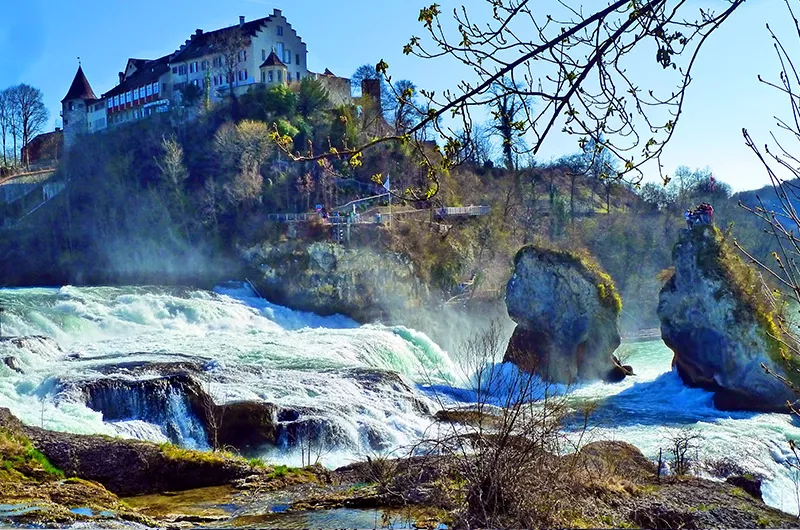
x: 172, y: 396
x: 751, y: 484
x: 13, y: 363
x: 566, y: 309
x: 718, y: 318
x: 246, y: 425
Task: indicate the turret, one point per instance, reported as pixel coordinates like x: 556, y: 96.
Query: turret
x: 273, y: 71
x: 75, y: 108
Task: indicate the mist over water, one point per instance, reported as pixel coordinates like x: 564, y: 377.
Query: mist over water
x: 250, y: 349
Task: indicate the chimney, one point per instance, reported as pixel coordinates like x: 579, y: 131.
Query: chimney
x: 276, y: 13
x: 58, y: 129
x: 121, y: 77
x: 198, y: 32
x: 241, y: 21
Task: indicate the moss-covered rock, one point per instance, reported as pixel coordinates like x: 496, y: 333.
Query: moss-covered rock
x: 129, y: 467
x: 566, y: 309
x: 721, y: 323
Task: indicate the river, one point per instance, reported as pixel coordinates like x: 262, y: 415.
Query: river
x: 254, y: 350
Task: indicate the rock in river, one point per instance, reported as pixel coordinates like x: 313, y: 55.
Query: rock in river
x: 719, y: 319
x: 566, y: 309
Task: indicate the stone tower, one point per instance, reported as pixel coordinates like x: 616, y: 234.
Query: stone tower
x: 75, y: 108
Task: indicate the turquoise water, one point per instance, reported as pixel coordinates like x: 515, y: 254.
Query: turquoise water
x: 252, y: 349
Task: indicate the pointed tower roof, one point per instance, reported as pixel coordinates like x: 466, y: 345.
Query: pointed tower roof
x: 273, y: 60
x: 80, y: 88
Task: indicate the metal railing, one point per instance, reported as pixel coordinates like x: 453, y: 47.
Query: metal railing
x: 471, y: 211
x: 370, y: 218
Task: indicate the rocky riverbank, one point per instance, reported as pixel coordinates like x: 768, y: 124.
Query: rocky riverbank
x: 612, y: 485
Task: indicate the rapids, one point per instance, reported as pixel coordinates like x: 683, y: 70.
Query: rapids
x: 251, y: 349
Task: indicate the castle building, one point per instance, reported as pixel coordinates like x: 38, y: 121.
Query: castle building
x: 234, y: 59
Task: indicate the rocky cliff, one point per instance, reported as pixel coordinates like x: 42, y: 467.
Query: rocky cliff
x: 566, y: 310
x: 719, y: 319
x: 327, y: 278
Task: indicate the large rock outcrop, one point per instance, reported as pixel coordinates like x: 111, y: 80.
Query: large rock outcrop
x: 717, y: 317
x: 129, y: 467
x: 566, y: 310
x: 327, y: 278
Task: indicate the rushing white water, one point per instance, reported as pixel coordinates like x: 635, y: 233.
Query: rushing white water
x: 253, y: 350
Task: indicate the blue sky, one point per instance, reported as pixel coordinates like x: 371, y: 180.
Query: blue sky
x: 40, y: 41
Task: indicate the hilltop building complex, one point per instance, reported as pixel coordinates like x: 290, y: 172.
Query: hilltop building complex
x: 261, y: 52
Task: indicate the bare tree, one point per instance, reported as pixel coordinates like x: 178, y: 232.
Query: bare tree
x: 5, y: 122
x: 504, y: 450
x: 13, y: 121
x: 574, y: 64
x: 509, y: 106
x: 404, y: 110
x: 32, y: 115
x: 229, y: 47
x: 682, y: 444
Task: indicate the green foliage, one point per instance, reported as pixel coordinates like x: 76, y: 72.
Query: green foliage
x: 285, y: 128
x: 257, y: 463
x: 344, y: 129
x: 279, y: 471
x: 718, y: 257
x: 18, y: 458
x: 267, y: 104
x: 173, y: 452
x: 312, y: 97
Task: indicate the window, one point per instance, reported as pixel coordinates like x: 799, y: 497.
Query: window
x: 280, y: 76
x: 182, y: 69
x: 196, y: 82
x: 174, y: 69
x: 155, y: 88
x: 263, y: 55
x: 297, y: 75
x: 280, y: 31
x: 287, y: 57
x: 271, y: 78
x: 135, y: 94
x: 71, y: 105
x: 116, y: 101
x: 242, y: 56
x: 263, y: 76
x: 110, y: 103
x: 279, y: 49
x: 297, y: 59
x: 193, y: 67
x: 204, y: 65
x: 218, y: 62
x: 128, y: 96
x: 149, y: 90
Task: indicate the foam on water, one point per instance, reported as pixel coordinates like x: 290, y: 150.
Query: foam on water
x: 252, y: 349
